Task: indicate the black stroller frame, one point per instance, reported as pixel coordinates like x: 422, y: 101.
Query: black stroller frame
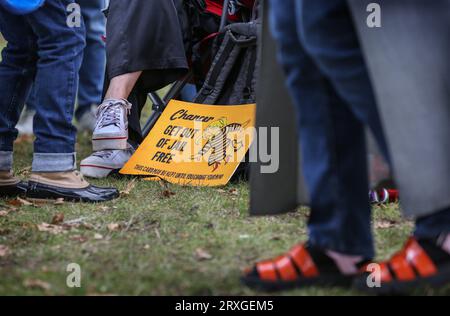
x: 159, y: 104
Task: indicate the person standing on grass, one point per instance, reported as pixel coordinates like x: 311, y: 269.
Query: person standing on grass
x: 329, y: 81
x: 92, y: 71
x: 145, y: 52
x: 44, y: 51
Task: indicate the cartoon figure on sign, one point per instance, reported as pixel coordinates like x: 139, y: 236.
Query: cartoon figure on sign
x: 219, y: 142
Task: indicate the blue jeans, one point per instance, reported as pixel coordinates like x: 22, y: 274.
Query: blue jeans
x: 329, y: 82
x: 42, y: 50
x: 92, y: 72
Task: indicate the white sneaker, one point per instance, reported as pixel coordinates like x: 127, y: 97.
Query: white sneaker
x: 87, y: 121
x: 25, y: 124
x: 101, y: 164
x: 111, y: 129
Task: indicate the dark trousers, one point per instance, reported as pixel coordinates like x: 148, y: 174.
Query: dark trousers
x: 45, y: 51
x: 329, y: 82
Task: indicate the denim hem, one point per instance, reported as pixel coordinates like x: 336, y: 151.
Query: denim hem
x: 54, y: 162
x: 6, y: 160
x: 434, y: 225
x: 368, y: 252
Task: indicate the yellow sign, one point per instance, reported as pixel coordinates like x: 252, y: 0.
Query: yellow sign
x: 195, y: 144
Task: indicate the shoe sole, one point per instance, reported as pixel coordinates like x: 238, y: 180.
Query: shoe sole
x: 96, y: 171
x: 279, y: 286
x: 110, y: 143
x: 407, y: 287
x: 68, y: 200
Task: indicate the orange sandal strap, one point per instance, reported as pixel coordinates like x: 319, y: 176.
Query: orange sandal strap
x: 295, y: 264
x: 410, y: 263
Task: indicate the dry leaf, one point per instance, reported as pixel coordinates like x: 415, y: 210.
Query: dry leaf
x: 98, y: 237
x: 25, y: 171
x: 79, y: 238
x: 52, y: 229
x: 19, y: 202
x: 130, y: 186
x: 4, y: 251
x: 37, y: 284
x: 147, y: 247
x: 58, y: 219
x: 104, y: 208
x: 3, y: 213
x: 158, y: 235
x: 234, y: 191
x: 113, y: 227
x: 202, y: 255
x: 167, y: 193
x: 59, y: 201
x: 385, y: 224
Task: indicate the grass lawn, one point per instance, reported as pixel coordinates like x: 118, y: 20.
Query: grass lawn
x: 154, y: 240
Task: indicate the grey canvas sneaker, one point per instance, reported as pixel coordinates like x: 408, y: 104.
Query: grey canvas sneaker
x: 111, y: 129
x: 103, y: 163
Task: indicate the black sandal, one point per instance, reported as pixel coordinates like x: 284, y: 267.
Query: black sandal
x: 302, y: 266
x: 419, y: 264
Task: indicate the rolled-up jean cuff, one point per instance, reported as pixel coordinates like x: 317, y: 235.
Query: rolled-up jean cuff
x: 6, y: 160
x: 54, y: 162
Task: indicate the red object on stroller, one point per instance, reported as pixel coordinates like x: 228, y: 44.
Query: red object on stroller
x: 383, y: 196
x: 216, y: 7
x: 238, y: 11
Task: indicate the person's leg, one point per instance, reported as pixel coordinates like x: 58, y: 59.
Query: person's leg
x: 334, y: 158
x: 17, y: 70
x: 433, y: 226
x: 92, y: 72
x: 332, y: 136
x: 60, y: 51
x: 145, y: 52
x: 56, y: 83
x: 120, y: 87
x: 424, y: 261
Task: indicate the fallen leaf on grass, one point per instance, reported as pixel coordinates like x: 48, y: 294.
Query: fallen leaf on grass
x: 129, y: 188
x: 158, y: 235
x: 167, y: 193
x: 385, y: 224
x: 37, y: 284
x: 202, y: 255
x: 59, y: 201
x: 4, y: 251
x: 79, y: 238
x: 104, y: 208
x: 52, y: 229
x: 113, y: 227
x: 58, y: 219
x: 3, y: 213
x: 98, y: 237
x: 20, y: 202
x: 25, y: 171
